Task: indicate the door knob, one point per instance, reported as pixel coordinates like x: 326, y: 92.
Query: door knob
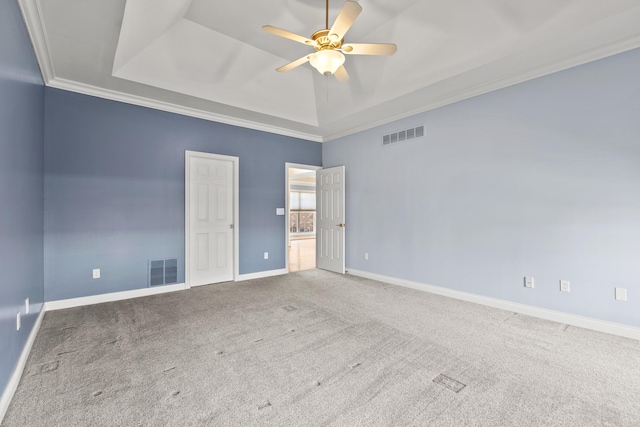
x: 342, y: 225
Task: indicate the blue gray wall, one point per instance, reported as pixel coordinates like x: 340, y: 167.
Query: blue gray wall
x: 114, y: 191
x: 540, y: 179
x: 21, y: 186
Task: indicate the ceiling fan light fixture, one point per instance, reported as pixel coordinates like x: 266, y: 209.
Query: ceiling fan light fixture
x: 327, y: 61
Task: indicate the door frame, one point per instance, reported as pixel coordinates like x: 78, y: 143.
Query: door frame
x: 287, y: 235
x: 235, y: 161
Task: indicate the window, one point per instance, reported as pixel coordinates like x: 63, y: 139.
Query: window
x: 302, y: 216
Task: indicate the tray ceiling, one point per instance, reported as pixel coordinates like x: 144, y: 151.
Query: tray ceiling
x: 210, y: 59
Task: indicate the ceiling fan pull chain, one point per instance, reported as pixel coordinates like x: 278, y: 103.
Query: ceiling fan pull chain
x: 326, y: 77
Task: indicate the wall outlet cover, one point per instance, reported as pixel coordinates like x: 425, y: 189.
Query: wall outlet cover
x: 266, y: 255
x: 565, y: 286
x: 96, y: 273
x: 621, y: 294
x: 528, y: 282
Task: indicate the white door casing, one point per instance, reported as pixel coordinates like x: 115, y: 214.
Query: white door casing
x: 310, y: 168
x: 330, y: 197
x: 211, y: 214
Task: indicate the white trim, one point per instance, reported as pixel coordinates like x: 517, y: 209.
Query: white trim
x: 34, y: 21
x: 262, y: 274
x: 542, y: 313
x: 14, y: 380
x: 35, y: 26
x: 601, y: 52
x: 114, y: 95
x: 236, y: 209
x: 287, y: 236
x: 113, y: 296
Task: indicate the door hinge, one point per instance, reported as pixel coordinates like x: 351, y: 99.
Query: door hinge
x: 231, y: 226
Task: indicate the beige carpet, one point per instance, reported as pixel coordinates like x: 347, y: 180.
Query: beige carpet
x: 320, y: 349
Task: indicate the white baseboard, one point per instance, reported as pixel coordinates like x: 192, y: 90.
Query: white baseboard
x: 114, y: 296
x: 542, y: 313
x: 14, y: 380
x: 262, y: 274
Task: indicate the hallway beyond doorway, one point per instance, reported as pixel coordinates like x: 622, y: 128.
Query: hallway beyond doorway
x: 302, y: 255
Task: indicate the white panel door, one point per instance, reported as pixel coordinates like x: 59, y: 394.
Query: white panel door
x: 330, y: 219
x: 211, y: 218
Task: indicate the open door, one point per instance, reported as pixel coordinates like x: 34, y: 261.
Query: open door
x: 330, y: 219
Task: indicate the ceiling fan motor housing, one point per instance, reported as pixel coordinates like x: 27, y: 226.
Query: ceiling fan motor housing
x: 324, y: 40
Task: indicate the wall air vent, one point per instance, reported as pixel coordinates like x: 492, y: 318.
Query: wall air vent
x: 163, y: 271
x: 403, y: 135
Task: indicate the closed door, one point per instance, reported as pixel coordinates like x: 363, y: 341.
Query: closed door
x: 330, y: 219
x: 211, y: 220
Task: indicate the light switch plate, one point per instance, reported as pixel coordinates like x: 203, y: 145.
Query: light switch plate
x: 279, y: 211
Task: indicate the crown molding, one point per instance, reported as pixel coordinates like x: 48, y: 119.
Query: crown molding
x: 32, y: 14
x: 141, y: 101
x: 34, y: 21
x: 591, y: 55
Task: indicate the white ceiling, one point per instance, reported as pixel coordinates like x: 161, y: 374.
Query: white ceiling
x: 211, y: 59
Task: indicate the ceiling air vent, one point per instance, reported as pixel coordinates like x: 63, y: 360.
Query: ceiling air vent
x: 163, y: 271
x: 403, y: 135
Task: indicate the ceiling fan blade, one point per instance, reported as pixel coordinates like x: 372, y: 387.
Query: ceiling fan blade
x: 347, y: 15
x: 369, y: 48
x: 341, y: 74
x: 294, y: 64
x: 288, y: 35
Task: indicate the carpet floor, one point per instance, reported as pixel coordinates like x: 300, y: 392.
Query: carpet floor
x: 319, y: 349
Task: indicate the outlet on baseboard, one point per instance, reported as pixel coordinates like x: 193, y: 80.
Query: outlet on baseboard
x: 528, y: 282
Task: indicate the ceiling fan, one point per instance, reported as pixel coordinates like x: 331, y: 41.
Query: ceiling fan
x: 329, y: 44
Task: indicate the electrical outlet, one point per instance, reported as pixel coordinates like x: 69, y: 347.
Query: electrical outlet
x: 96, y: 273
x: 528, y: 282
x: 18, y: 321
x: 266, y: 255
x: 565, y: 286
x: 366, y: 256
x: 26, y: 306
x: 621, y: 294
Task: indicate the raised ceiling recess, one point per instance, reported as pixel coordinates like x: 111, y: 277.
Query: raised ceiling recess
x: 211, y: 59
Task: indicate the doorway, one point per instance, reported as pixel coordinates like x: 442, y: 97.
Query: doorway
x: 211, y: 218
x: 300, y: 216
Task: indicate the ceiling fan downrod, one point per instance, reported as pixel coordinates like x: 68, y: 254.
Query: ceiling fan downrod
x: 326, y: 22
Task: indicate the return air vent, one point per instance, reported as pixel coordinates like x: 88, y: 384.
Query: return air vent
x: 403, y: 135
x: 163, y: 271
